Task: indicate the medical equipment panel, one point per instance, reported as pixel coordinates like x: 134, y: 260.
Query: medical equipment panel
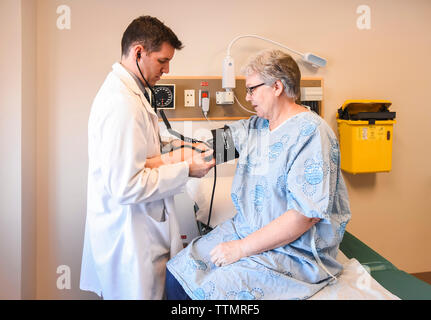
x: 202, y: 98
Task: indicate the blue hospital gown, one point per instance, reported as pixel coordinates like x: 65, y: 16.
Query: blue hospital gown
x: 295, y: 166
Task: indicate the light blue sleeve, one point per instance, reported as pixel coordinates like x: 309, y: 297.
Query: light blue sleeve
x: 240, y: 130
x: 312, y: 176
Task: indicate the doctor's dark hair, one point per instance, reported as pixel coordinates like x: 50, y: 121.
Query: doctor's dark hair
x: 151, y: 33
x: 273, y: 65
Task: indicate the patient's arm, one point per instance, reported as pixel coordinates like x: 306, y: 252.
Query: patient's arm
x: 279, y: 232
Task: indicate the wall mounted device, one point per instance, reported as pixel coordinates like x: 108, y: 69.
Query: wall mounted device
x: 220, y: 106
x: 165, y: 96
x: 224, y: 97
x: 311, y: 93
x: 228, y: 82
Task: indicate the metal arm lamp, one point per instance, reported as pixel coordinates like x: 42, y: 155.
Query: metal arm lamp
x: 228, y: 81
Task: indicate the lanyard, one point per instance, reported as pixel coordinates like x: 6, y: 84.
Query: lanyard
x: 316, y: 256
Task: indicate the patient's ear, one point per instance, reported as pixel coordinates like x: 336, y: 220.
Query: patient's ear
x: 278, y: 88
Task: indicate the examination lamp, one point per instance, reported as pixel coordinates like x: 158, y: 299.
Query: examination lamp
x: 228, y: 81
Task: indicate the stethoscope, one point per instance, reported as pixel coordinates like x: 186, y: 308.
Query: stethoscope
x: 165, y: 120
x: 180, y: 136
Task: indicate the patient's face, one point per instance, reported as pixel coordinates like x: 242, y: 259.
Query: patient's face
x: 261, y: 97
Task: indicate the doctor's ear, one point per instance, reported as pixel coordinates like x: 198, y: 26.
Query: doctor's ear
x: 138, y: 51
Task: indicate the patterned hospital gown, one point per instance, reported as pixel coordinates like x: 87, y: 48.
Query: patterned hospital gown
x: 295, y: 166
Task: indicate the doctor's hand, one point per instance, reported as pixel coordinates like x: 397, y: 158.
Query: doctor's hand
x: 198, y: 165
x: 227, y: 252
x: 180, y: 154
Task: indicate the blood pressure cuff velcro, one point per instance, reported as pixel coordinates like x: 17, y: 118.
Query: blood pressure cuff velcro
x: 223, y: 146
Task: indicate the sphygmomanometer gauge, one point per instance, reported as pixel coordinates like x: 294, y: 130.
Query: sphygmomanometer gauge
x: 165, y: 96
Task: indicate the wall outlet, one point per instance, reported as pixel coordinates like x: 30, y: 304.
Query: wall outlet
x: 189, y: 98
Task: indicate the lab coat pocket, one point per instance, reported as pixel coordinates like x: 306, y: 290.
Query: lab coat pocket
x: 159, y: 235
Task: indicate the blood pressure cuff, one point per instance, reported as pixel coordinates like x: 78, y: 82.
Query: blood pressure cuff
x: 223, y: 145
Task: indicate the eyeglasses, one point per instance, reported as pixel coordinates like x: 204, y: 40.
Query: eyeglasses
x: 250, y: 89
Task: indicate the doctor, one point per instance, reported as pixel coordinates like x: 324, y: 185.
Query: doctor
x: 131, y: 229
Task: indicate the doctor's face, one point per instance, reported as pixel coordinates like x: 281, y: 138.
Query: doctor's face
x: 155, y: 64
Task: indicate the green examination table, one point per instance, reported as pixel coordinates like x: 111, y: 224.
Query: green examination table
x: 398, y: 282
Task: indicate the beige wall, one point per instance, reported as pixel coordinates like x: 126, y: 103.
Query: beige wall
x: 17, y: 142
x: 10, y: 144
x: 28, y: 150
x: 390, y: 211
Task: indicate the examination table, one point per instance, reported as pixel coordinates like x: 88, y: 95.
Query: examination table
x: 398, y: 282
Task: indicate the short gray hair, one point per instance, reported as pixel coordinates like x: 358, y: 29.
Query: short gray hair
x: 273, y: 65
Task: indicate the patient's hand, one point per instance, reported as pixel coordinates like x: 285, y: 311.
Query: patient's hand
x: 227, y: 253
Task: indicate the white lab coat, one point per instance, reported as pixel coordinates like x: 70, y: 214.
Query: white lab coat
x: 131, y: 230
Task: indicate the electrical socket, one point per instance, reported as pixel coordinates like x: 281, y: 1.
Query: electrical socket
x: 189, y: 98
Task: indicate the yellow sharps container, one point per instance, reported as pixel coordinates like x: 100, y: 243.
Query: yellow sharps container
x: 366, y: 132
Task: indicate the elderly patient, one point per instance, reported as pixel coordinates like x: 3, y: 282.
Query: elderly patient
x: 290, y: 198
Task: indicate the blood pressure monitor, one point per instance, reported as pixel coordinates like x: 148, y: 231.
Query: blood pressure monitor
x: 165, y: 96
